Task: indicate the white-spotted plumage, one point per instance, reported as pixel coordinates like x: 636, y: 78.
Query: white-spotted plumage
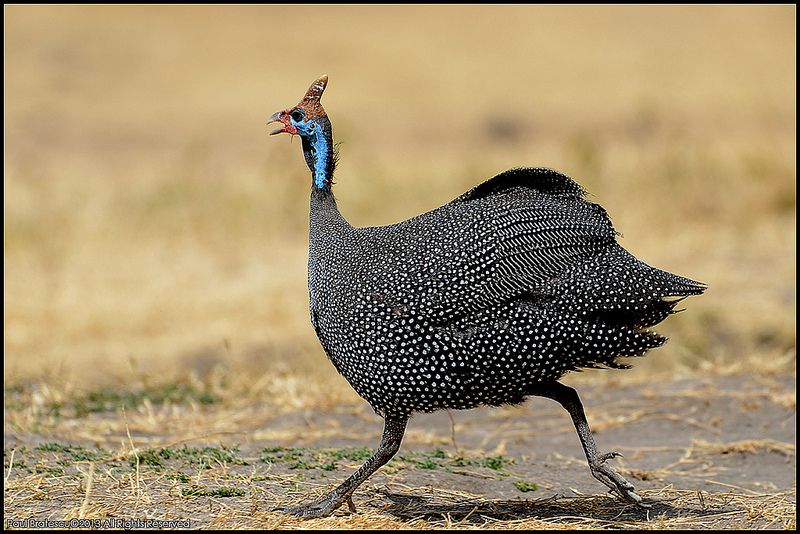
x: 477, y: 302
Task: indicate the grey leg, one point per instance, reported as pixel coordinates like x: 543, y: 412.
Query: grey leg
x: 568, y: 398
x: 393, y: 431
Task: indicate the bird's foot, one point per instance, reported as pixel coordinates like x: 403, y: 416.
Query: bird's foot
x: 618, y: 485
x: 322, y: 507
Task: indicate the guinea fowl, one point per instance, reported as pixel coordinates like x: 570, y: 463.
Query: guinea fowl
x: 484, y: 301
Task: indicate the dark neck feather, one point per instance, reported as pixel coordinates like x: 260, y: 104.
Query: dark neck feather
x: 320, y: 157
x: 320, y: 154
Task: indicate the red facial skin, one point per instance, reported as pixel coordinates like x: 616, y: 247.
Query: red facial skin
x: 286, y: 121
x: 288, y: 127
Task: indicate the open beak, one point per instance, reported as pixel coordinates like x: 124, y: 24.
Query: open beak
x: 278, y: 116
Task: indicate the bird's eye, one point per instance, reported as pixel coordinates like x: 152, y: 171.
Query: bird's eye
x: 297, y: 115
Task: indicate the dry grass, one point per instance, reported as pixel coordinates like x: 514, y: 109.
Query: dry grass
x: 155, y: 237
x: 236, y: 461
x: 218, y: 497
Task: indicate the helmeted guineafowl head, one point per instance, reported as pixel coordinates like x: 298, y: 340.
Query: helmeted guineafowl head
x: 309, y: 120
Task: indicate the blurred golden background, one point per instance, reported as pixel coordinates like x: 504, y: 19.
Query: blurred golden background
x: 154, y: 232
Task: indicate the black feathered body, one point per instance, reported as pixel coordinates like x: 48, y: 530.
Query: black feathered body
x: 512, y: 284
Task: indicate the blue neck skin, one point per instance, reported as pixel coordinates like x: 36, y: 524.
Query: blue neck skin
x: 318, y: 151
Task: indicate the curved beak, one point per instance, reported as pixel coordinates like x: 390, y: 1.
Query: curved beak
x: 277, y: 117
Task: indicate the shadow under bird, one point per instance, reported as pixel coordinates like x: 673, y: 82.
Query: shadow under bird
x: 484, y: 301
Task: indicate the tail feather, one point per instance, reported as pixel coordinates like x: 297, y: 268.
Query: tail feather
x: 619, y: 298
x: 617, y: 282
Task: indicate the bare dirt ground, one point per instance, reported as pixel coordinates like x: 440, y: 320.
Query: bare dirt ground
x: 706, y: 453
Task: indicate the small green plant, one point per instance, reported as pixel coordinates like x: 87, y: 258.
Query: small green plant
x: 424, y: 460
x: 330, y: 465
x: 281, y: 454
x: 19, y: 463
x: 302, y: 464
x: 354, y: 454
x: 525, y: 486
x: 84, y: 455
x: 495, y: 463
x: 151, y: 457
x: 204, y: 457
x: 76, y: 453
x: 426, y: 463
x: 109, y: 400
x: 51, y: 471
x: 56, y: 447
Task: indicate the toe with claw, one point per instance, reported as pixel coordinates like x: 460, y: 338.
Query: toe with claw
x: 618, y: 485
x: 322, y: 507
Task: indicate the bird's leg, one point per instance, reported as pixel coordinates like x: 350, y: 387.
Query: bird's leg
x: 568, y: 398
x: 393, y: 431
